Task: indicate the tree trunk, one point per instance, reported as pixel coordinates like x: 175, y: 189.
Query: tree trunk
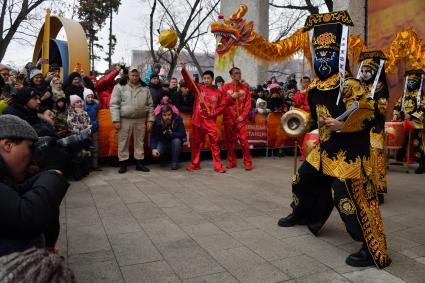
x: 110, y: 40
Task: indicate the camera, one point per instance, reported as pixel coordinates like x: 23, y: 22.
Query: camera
x: 72, y: 147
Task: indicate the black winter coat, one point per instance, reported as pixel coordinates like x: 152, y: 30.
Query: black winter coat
x: 27, y: 209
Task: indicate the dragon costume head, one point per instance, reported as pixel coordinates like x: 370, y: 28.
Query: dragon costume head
x: 233, y: 31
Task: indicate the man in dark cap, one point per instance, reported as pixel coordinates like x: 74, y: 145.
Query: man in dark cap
x: 25, y: 105
x: 29, y: 207
x: 156, y: 90
x: 184, y: 98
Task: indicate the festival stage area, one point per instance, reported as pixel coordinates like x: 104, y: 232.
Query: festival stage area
x: 168, y: 226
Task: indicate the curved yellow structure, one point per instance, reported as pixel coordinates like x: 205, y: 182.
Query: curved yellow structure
x: 78, y: 53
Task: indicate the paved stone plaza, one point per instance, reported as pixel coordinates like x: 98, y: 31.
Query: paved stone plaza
x: 168, y: 226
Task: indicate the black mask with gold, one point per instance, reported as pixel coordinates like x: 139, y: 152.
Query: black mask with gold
x: 413, y: 78
x: 326, y: 41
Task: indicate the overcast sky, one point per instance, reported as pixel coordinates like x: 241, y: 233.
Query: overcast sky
x: 128, y: 27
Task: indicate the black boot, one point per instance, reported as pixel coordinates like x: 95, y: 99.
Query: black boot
x: 140, y: 166
x: 290, y: 220
x: 421, y: 168
x: 362, y: 258
x: 123, y: 167
x: 381, y: 198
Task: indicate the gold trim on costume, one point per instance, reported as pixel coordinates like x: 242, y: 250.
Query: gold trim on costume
x: 323, y: 112
x: 328, y: 84
x: 346, y: 206
x: 295, y: 199
x: 340, y: 168
x: 369, y: 217
x: 341, y: 17
x: 295, y: 179
x: 376, y: 140
x: 314, y: 157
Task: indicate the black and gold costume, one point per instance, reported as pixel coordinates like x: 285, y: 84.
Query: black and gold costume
x: 340, y: 163
x: 373, y: 62
x: 411, y: 106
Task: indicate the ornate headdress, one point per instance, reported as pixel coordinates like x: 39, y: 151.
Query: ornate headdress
x: 374, y: 60
x: 415, y: 75
x: 330, y: 31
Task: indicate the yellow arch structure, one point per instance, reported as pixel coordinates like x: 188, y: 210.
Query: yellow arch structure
x: 78, y: 52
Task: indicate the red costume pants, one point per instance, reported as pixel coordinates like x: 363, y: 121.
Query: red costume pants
x: 198, y: 138
x: 237, y: 132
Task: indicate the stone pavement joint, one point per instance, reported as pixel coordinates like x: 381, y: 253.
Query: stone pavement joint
x: 179, y: 226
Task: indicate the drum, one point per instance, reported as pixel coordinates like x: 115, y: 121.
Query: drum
x: 310, y: 140
x: 395, y: 135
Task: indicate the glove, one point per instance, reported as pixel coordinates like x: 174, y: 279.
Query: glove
x: 54, y: 157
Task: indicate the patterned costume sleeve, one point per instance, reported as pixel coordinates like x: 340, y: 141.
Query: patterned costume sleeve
x: 361, y: 118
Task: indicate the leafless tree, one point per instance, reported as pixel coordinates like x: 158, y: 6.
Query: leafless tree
x: 191, y: 22
x: 294, y: 12
x: 21, y: 20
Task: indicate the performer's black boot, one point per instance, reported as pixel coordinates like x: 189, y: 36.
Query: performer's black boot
x: 421, y: 168
x: 123, y: 167
x: 381, y: 198
x: 362, y: 258
x: 291, y: 220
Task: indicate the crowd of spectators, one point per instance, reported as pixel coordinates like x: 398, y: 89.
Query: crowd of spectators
x: 36, y: 109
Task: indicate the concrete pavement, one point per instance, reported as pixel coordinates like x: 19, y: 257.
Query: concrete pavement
x: 176, y: 226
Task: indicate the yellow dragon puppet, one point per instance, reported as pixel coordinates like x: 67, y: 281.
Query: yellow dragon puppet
x: 237, y: 31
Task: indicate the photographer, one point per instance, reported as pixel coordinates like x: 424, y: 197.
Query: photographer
x: 29, y: 208
x: 167, y: 135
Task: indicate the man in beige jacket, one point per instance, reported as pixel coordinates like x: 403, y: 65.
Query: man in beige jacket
x: 132, y: 113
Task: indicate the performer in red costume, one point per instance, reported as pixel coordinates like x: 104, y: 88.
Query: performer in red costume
x: 238, y: 104
x: 208, y: 104
x: 105, y: 86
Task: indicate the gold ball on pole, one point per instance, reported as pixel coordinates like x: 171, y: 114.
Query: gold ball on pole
x: 168, y: 38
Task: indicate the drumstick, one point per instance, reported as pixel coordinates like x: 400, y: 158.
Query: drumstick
x: 201, y: 94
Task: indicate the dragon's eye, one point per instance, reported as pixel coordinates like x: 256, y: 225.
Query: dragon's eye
x: 232, y: 24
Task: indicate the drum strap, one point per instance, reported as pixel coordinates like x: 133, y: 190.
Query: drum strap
x: 418, y: 96
x: 342, y: 60
x: 404, y: 95
x: 375, y: 82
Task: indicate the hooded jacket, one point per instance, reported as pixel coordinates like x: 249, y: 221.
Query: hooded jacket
x: 92, y: 109
x: 71, y: 89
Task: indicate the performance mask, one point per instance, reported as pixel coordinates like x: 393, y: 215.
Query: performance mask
x: 413, y: 82
x: 325, y: 63
x: 328, y: 34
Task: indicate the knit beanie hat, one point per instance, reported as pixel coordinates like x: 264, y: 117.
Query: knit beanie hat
x: 87, y: 92
x: 35, y: 72
x: 73, y: 99
x: 24, y: 95
x: 12, y: 127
